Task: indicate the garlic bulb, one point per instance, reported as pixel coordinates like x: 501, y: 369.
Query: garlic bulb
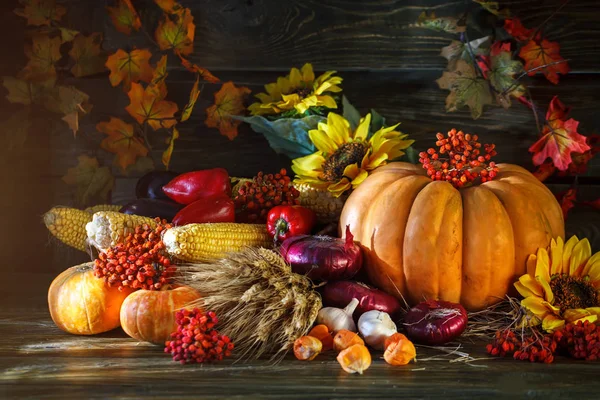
x: 337, y: 318
x: 375, y: 326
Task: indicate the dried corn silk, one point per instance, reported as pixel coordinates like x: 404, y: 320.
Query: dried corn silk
x: 262, y: 306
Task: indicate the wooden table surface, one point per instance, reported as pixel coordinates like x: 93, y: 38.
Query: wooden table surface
x: 39, y: 361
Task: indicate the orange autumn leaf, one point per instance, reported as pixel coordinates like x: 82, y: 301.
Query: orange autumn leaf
x: 43, y: 53
x: 166, y: 156
x: 87, y: 54
x: 567, y: 200
x: 229, y: 101
x: 515, y: 28
x: 124, y: 17
x: 40, y: 12
x: 146, y: 108
x: 129, y: 67
x: 122, y: 141
x: 169, y: 6
x: 202, y: 72
x: 189, y: 107
x: 176, y: 31
x: 544, y: 171
x: 158, y: 86
x: 537, y: 55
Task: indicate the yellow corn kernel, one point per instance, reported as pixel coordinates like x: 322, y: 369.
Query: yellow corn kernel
x: 68, y: 225
x: 108, y: 228
x: 103, y: 207
x: 327, y: 207
x: 197, y: 242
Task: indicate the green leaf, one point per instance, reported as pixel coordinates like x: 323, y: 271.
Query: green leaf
x: 458, y: 50
x: 377, y: 122
x: 494, y: 8
x: 350, y: 113
x: 502, y: 77
x: 441, y: 24
x: 410, y: 155
x: 466, y: 89
x: 287, y: 136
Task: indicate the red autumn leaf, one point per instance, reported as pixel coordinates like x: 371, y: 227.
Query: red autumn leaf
x: 146, y: 108
x: 559, y: 138
x: 229, y: 101
x: 580, y: 161
x: 129, y: 67
x: 544, y: 171
x: 537, y: 55
x: 122, y: 141
x: 515, y: 28
x: 87, y: 54
x: 499, y: 47
x: 202, y: 72
x: 176, y: 31
x: 594, y: 204
x: 124, y: 17
x: 40, y: 12
x: 567, y: 200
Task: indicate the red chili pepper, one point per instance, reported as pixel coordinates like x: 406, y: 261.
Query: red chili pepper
x: 286, y: 221
x: 212, y: 209
x: 191, y: 186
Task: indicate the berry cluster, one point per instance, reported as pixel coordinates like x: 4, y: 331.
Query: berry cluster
x: 196, y: 340
x: 139, y: 262
x: 255, y: 198
x: 579, y: 340
x: 465, y: 160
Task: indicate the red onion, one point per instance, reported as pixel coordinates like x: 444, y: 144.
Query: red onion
x: 435, y: 322
x: 338, y: 294
x: 323, y: 257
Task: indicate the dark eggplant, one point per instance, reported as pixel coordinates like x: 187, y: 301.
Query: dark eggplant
x: 150, y: 185
x: 152, y: 208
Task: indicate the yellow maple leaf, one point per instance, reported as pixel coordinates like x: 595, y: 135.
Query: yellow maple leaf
x: 202, y: 72
x: 146, y: 108
x: 23, y: 92
x: 169, y: 6
x: 122, y: 141
x: 43, y: 53
x: 229, y: 101
x: 189, y: 107
x: 89, y: 58
x: 124, y: 17
x: 157, y: 85
x: 93, y: 182
x: 176, y: 31
x: 40, y: 12
x: 166, y: 156
x: 69, y: 101
x: 129, y: 67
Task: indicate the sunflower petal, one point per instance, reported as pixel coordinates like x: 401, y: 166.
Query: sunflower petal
x: 362, y: 175
x: 339, y: 128
x: 362, y: 130
x: 308, y: 75
x: 284, y: 85
x: 337, y: 189
x: 542, y: 267
x: 322, y: 142
x: 548, y: 295
x: 567, y: 250
x: 295, y: 78
x: 556, y: 250
x: 528, y: 286
x: 531, y: 263
x: 592, y: 268
x: 307, y: 163
x: 326, y: 101
x: 536, y: 305
x: 550, y: 323
x: 581, y: 253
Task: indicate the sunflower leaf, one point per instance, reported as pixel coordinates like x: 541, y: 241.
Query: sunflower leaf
x: 288, y: 136
x: 377, y: 122
x: 350, y: 113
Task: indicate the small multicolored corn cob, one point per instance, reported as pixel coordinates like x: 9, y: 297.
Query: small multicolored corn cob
x: 108, y: 228
x: 68, y: 225
x: 103, y: 207
x: 327, y: 207
x: 197, y: 242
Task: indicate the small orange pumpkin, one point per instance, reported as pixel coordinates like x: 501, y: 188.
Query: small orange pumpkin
x: 82, y: 304
x: 149, y: 315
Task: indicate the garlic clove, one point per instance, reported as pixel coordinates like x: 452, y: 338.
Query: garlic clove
x: 337, y: 319
x: 376, y: 326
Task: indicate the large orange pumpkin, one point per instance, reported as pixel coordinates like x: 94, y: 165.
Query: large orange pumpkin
x: 82, y: 304
x: 149, y: 315
x: 425, y: 239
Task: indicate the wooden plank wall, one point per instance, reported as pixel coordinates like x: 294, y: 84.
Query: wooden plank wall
x: 387, y: 64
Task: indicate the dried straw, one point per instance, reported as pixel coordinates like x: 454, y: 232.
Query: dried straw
x: 261, y: 304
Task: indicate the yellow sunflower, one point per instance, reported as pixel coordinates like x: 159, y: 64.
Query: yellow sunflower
x: 345, y: 158
x: 562, y: 284
x: 299, y: 90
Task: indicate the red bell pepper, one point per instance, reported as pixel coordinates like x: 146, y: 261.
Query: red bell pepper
x: 286, y: 221
x: 191, y: 186
x: 212, y: 209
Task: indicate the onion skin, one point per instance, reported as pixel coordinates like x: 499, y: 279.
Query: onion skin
x: 426, y: 323
x: 323, y: 257
x: 338, y: 294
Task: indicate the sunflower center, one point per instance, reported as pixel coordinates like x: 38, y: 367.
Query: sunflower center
x: 571, y: 292
x: 302, y: 92
x: 346, y: 154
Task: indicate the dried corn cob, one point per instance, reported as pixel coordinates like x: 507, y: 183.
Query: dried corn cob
x: 103, y: 207
x: 196, y: 242
x: 327, y: 207
x: 108, y: 228
x: 68, y: 225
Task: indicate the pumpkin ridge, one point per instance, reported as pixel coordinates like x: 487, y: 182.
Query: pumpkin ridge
x: 85, y: 300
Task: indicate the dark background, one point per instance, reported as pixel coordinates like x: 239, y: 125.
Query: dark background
x: 386, y: 64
